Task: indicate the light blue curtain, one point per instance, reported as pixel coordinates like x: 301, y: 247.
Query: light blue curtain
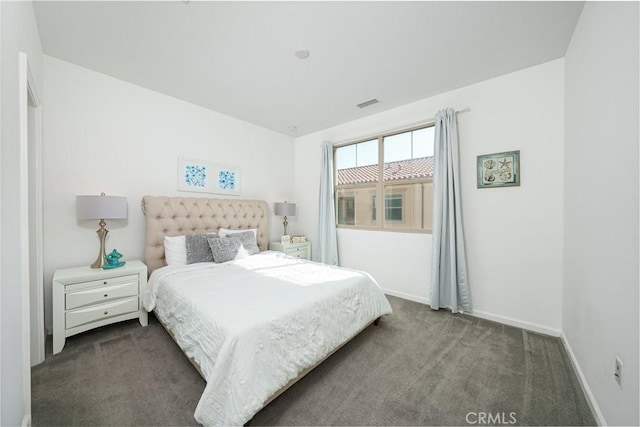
x: 449, y: 283
x: 327, y: 243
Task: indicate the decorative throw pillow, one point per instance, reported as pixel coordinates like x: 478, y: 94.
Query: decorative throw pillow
x: 248, y: 240
x: 224, y: 232
x: 224, y: 250
x: 198, y: 249
x: 175, y: 250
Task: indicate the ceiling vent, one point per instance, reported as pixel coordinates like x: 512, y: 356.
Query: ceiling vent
x: 367, y: 103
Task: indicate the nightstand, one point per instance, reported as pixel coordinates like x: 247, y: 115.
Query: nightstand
x: 85, y: 298
x: 298, y: 250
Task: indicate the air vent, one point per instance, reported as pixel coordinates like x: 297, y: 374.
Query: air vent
x: 367, y: 103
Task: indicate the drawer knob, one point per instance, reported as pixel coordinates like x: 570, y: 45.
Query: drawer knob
x: 106, y: 295
x: 104, y: 283
x: 106, y: 312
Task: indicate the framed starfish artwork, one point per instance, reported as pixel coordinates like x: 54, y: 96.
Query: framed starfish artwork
x: 499, y: 169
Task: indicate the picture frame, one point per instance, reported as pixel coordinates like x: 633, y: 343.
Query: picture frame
x: 498, y: 169
x: 298, y: 239
x: 227, y: 179
x: 194, y: 175
x: 208, y: 177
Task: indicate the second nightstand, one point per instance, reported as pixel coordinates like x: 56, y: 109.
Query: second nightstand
x: 298, y: 250
x: 85, y: 298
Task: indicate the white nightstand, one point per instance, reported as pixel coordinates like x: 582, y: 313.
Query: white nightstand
x: 298, y: 250
x: 85, y: 298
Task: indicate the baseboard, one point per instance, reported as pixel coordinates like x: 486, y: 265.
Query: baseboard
x: 515, y: 322
x: 421, y: 300
x: 483, y: 315
x: 593, y: 404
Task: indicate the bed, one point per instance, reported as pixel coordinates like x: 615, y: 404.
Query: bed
x: 254, y: 325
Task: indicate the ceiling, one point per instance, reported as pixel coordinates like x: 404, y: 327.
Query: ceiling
x: 238, y: 58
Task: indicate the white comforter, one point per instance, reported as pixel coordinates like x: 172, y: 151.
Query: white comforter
x: 255, y: 324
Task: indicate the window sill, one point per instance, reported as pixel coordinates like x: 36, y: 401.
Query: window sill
x: 386, y: 230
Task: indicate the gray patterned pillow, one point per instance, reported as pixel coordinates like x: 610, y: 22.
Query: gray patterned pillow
x: 248, y: 240
x: 198, y: 249
x: 224, y: 250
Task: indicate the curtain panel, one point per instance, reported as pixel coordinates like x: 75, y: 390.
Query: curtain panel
x: 327, y: 242
x: 449, y: 282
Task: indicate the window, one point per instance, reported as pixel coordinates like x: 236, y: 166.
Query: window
x: 346, y: 210
x: 392, y: 207
x: 392, y: 174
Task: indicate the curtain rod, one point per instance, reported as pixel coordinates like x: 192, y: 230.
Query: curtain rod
x: 463, y: 109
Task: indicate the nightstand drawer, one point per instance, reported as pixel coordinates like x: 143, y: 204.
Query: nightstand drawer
x: 101, y: 294
x: 298, y: 252
x: 104, y: 282
x: 99, y: 312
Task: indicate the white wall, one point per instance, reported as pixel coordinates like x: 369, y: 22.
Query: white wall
x: 103, y: 134
x: 513, y: 235
x: 19, y: 33
x: 600, y: 304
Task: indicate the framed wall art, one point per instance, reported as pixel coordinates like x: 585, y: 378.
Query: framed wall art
x: 194, y: 175
x: 208, y: 177
x: 226, y: 179
x: 499, y: 169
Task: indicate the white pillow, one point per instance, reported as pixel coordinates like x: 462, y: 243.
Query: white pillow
x: 242, y: 253
x: 175, y: 250
x: 224, y: 232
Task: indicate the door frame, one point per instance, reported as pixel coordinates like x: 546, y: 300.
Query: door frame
x: 28, y: 96
x: 33, y: 101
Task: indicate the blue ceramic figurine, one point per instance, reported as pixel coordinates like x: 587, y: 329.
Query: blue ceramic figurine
x: 113, y: 260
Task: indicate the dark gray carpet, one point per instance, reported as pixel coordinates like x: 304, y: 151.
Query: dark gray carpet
x: 418, y: 367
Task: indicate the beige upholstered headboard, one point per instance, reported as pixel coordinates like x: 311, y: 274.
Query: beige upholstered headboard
x: 174, y: 216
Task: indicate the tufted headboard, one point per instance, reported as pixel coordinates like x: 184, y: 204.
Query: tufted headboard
x: 174, y: 216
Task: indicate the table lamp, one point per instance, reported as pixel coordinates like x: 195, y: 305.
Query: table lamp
x: 101, y: 207
x: 284, y: 209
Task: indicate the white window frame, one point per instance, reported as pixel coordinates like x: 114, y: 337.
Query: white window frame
x: 380, y: 184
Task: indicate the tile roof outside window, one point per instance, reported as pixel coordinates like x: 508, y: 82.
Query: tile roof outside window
x: 421, y: 167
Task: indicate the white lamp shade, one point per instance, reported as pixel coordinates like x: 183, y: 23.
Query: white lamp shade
x: 285, y: 209
x: 101, y: 207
